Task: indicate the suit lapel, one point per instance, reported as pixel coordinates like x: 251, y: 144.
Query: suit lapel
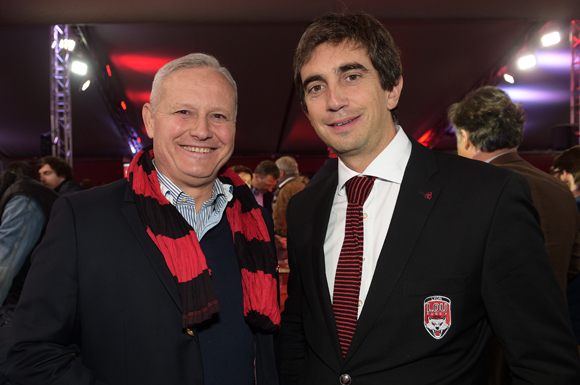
x: 323, y: 207
x: 417, y: 196
x: 149, y: 249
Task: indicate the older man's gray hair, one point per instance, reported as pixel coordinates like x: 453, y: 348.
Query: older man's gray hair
x: 288, y: 165
x: 193, y: 60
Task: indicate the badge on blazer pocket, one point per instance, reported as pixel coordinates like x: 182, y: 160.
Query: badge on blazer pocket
x: 437, y: 315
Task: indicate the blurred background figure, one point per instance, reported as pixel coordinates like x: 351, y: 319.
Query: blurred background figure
x: 87, y: 184
x: 243, y: 172
x: 289, y: 184
x: 57, y: 174
x: 264, y: 182
x: 25, y: 206
x: 567, y: 169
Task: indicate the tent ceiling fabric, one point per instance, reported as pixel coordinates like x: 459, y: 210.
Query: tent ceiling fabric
x: 146, y: 11
x: 446, y: 48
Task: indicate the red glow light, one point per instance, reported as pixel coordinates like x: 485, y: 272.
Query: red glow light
x: 139, y: 139
x: 144, y: 64
x: 424, y: 140
x: 123, y: 105
x: 109, y: 70
x: 138, y: 97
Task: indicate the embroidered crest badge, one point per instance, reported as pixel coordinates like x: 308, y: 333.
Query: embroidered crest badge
x: 437, y: 315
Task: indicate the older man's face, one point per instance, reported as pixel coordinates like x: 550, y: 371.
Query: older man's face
x: 193, y: 126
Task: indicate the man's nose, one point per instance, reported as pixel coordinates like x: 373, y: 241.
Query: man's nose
x: 201, y: 129
x: 336, y: 98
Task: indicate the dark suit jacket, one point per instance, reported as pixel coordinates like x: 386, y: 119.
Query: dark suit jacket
x: 461, y: 229
x: 100, y: 305
x: 559, y: 216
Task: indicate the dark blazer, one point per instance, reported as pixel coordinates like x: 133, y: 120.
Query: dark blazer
x: 100, y: 305
x: 558, y: 212
x: 461, y: 229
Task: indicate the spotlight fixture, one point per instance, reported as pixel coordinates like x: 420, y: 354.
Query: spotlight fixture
x: 550, y: 39
x: 509, y: 78
x: 85, y: 85
x: 67, y: 44
x: 79, y: 68
x: 527, y: 61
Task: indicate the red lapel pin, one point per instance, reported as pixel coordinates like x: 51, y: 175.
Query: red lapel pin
x: 429, y: 195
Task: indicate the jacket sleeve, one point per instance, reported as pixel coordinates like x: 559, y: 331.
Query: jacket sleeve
x: 524, y: 303
x: 47, y: 347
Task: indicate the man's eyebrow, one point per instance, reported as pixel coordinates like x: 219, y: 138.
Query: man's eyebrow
x: 349, y: 67
x: 311, y: 79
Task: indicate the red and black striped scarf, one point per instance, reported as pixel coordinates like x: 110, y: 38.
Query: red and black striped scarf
x: 178, y: 243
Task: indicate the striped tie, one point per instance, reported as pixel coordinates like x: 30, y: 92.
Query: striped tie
x: 349, y: 269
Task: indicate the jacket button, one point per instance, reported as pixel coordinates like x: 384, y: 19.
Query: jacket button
x: 190, y: 332
x: 344, y: 379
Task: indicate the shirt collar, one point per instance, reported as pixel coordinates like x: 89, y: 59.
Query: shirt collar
x: 172, y: 192
x: 389, y: 165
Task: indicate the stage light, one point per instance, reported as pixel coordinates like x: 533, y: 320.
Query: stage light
x: 526, y: 62
x: 509, y: 78
x: 86, y: 85
x: 67, y: 44
x: 123, y: 105
x: 109, y: 70
x: 79, y: 68
x: 550, y: 39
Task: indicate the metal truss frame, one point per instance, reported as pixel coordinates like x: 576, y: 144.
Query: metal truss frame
x: 491, y: 78
x: 575, y: 74
x: 60, y: 105
x: 111, y: 92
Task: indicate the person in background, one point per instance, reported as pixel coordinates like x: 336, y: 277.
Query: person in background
x: 490, y: 128
x: 245, y: 173
x: 57, y: 174
x: 289, y: 185
x: 166, y: 277
x: 25, y: 207
x: 567, y: 169
x: 264, y: 182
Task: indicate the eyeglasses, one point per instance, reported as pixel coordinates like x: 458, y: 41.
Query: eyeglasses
x: 555, y: 171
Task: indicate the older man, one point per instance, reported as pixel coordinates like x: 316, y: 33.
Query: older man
x: 490, y: 128
x: 168, y: 277
x: 405, y: 262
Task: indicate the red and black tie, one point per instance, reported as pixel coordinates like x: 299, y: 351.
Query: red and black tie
x: 349, y: 269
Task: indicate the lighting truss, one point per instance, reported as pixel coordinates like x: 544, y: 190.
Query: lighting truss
x: 491, y: 78
x: 60, y: 106
x: 111, y: 92
x: 575, y: 74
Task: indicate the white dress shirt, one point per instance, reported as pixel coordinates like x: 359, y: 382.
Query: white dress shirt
x: 388, y: 168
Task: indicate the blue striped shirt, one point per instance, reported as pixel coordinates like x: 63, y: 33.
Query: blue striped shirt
x: 211, y: 211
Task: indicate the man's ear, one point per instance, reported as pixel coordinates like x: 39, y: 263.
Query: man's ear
x: 464, y: 146
x: 395, y: 94
x: 147, y: 113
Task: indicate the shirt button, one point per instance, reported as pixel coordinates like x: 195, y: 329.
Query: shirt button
x: 365, y: 215
x: 190, y: 332
x: 360, y: 303
x: 184, y: 200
